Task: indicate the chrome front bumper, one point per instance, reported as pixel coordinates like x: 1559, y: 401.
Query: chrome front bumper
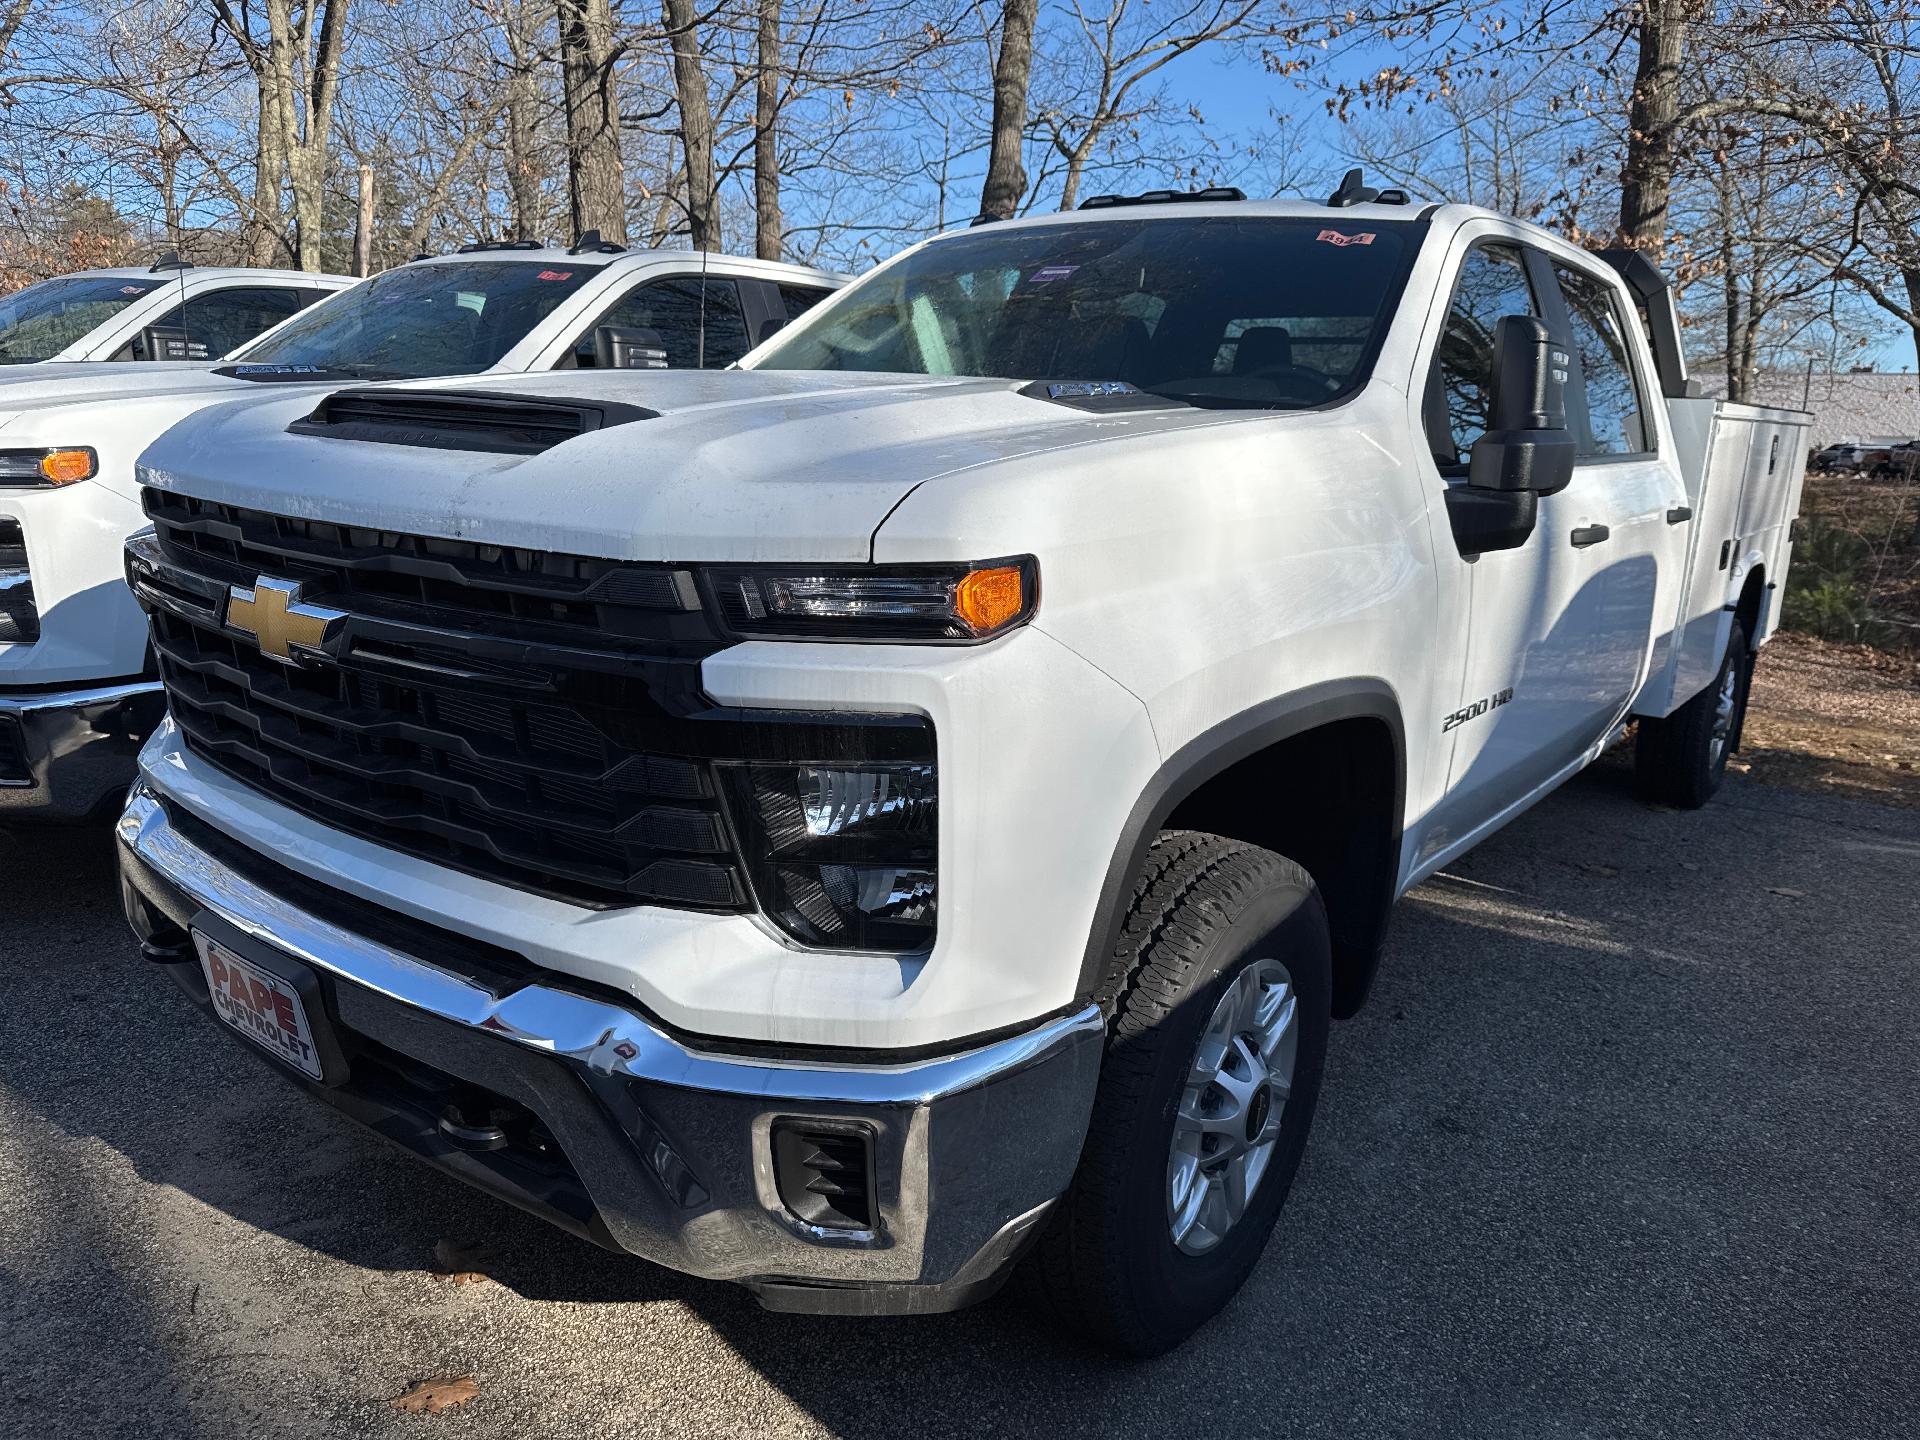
x: 69, y: 754
x: 668, y: 1150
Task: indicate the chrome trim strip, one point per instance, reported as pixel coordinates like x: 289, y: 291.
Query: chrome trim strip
x: 603, y: 1037
x: 73, y: 699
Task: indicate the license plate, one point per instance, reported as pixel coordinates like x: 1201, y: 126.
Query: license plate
x: 260, y: 1005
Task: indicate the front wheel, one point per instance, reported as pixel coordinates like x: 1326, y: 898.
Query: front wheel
x: 1207, y: 1092
x: 1682, y: 759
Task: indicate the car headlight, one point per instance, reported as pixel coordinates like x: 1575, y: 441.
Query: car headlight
x: 953, y: 603
x: 847, y: 855
x: 51, y: 466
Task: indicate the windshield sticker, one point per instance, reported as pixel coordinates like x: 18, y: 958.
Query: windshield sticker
x: 1051, y: 272
x: 1334, y: 237
x: 470, y: 300
x: 133, y: 289
x: 554, y: 275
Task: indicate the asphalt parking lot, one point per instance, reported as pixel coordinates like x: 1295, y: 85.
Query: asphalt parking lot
x: 1625, y: 1145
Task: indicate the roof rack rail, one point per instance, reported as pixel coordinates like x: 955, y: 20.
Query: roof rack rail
x: 590, y: 243
x: 1165, y: 197
x: 477, y: 246
x: 169, y: 260
x: 1354, y: 191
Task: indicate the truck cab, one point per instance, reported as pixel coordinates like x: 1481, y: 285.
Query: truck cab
x: 914, y: 805
x: 78, y: 691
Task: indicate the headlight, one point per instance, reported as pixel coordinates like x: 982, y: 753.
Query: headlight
x: 847, y: 855
x: 62, y: 465
x: 964, y: 603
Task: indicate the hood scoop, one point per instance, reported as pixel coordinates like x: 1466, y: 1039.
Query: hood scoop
x: 481, y: 420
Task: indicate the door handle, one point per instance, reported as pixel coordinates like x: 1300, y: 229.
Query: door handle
x: 1589, y: 535
x: 1679, y: 515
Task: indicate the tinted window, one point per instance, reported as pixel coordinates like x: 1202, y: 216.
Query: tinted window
x: 1261, y: 312
x: 40, y: 321
x: 227, y: 319
x: 1492, y: 284
x: 679, y: 309
x: 800, y: 298
x: 452, y: 317
x: 1599, y: 339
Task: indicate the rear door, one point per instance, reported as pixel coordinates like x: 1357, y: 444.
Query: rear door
x: 1626, y: 482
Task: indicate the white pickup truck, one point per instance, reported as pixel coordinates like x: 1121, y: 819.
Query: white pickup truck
x: 919, y: 801
x: 78, y: 691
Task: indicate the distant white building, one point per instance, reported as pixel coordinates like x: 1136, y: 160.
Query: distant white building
x: 1867, y: 407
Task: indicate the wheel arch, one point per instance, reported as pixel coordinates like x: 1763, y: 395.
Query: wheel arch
x: 1345, y: 742
x: 1747, y: 609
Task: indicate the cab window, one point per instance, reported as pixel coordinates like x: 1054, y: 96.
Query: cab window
x: 1615, y: 414
x: 1459, y: 403
x: 680, y: 310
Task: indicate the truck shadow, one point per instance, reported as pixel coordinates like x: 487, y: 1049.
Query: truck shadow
x: 1519, y: 1188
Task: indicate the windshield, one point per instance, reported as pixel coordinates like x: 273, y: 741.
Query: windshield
x: 451, y: 318
x: 1238, y: 311
x: 40, y: 321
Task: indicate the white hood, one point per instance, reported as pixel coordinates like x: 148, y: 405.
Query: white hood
x: 736, y: 465
x: 56, y: 381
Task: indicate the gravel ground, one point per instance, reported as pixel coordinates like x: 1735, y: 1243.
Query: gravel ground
x: 1623, y: 1146
x: 1843, y: 719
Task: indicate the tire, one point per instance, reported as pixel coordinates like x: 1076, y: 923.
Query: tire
x: 1205, y: 913
x: 1681, y: 760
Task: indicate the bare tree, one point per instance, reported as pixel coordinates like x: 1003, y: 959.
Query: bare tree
x: 768, y: 240
x: 596, y: 177
x: 1006, y: 181
x: 696, y: 124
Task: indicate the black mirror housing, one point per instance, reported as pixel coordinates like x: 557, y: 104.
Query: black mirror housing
x: 628, y: 347
x: 1528, y: 446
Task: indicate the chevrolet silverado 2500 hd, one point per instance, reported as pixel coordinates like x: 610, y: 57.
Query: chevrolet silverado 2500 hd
x: 917, y: 802
x: 78, y: 693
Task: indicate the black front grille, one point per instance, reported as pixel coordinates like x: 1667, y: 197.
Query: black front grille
x: 19, y: 616
x: 535, y: 719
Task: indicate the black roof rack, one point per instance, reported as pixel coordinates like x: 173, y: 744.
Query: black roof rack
x: 590, y: 243
x: 170, y: 260
x: 1354, y: 191
x: 1165, y: 197
x: 478, y: 245
x: 985, y: 217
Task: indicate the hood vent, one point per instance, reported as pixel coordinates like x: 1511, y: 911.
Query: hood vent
x: 462, y: 419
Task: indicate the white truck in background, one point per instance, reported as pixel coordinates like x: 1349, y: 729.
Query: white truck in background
x: 918, y: 802
x: 78, y: 692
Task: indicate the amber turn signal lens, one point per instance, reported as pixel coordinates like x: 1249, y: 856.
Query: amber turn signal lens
x: 989, y: 599
x: 64, y: 467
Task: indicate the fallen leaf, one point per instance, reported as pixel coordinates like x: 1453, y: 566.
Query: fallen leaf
x: 430, y: 1397
x: 1783, y: 890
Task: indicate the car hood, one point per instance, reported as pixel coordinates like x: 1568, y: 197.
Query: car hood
x: 730, y: 465
x: 56, y: 382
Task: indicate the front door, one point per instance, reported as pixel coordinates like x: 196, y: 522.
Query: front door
x: 1531, y: 700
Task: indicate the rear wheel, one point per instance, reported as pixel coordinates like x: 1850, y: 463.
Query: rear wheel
x: 1682, y: 759
x: 1212, y: 1072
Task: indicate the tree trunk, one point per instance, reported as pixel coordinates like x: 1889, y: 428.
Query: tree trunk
x: 696, y: 124
x: 363, y: 228
x: 1006, y: 182
x: 523, y: 98
x: 768, y: 240
x: 596, y: 176
x: 1646, y: 179
x: 1911, y: 274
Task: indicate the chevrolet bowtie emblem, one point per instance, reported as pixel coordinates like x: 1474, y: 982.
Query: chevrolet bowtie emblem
x: 272, y: 614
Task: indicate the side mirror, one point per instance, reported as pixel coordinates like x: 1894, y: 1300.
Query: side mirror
x: 170, y: 342
x: 625, y: 347
x: 1527, y: 447
x: 1526, y: 452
